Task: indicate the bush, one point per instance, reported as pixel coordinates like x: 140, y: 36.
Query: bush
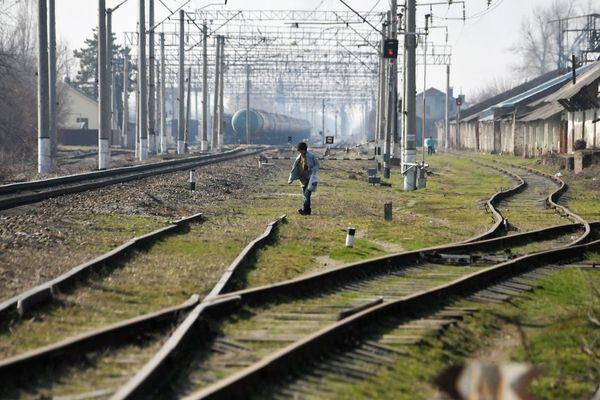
x: 580, y: 144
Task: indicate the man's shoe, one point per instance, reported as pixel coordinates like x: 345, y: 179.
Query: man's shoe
x: 308, y: 211
x: 301, y: 212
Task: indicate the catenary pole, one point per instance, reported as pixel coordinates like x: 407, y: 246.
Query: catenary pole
x: 447, y: 110
x: 181, y: 119
x: 410, y: 43
x: 53, y: 100
x: 215, y: 127
x: 143, y: 79
x: 204, y: 143
x: 389, y: 112
x: 163, y: 97
x: 221, y: 94
x: 125, y: 128
x: 323, y: 119
x: 103, y: 91
x: 109, y: 71
x: 188, y: 108
x: 247, y: 102
x: 44, y: 145
x: 151, y: 81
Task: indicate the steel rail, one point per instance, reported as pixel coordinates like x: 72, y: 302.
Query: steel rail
x: 25, y: 302
x: 24, y: 365
x: 553, y: 198
x: 275, y: 366
x: 18, y: 194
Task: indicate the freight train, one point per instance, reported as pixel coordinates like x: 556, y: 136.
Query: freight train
x: 270, y: 128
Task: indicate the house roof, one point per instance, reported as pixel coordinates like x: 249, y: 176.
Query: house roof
x: 571, y: 95
x: 79, y: 91
x: 471, y: 112
x: 545, y: 111
x: 432, y: 91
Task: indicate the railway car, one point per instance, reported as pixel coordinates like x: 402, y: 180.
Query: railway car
x: 270, y: 128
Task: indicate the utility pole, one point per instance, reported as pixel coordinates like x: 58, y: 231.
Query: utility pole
x: 410, y: 43
x: 391, y: 103
x: 125, y: 129
x: 424, y: 116
x: 143, y: 80
x: 103, y: 91
x: 323, y: 121
x: 109, y: 72
x: 247, y: 102
x: 163, y: 97
x: 53, y: 129
x: 204, y: 143
x: 188, y: 107
x: 215, y: 127
x: 221, y: 94
x: 151, y: 80
x: 447, y: 114
x: 44, y: 146
x: 180, y: 122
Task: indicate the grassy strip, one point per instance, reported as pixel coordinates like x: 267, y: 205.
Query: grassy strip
x: 549, y: 327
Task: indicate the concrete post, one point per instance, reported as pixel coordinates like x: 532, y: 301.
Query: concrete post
x: 221, y: 94
x: 53, y: 128
x: 188, y: 108
x: 323, y: 121
x: 390, y: 103
x: 215, y: 127
x: 44, y: 145
x: 103, y: 91
x: 151, y: 81
x: 410, y: 44
x: 125, y: 129
x: 447, y: 111
x: 181, y: 120
x: 424, y: 116
x: 143, y: 80
x: 204, y: 143
x: 109, y: 72
x: 247, y: 103
x: 163, y: 97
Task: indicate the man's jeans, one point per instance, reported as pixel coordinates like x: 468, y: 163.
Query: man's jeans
x: 306, y: 197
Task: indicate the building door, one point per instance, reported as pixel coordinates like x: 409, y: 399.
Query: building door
x: 564, y: 128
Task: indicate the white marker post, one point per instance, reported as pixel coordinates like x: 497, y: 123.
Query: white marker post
x: 350, y: 237
x: 193, y: 180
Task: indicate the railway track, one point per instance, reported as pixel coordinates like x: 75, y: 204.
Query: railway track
x: 277, y: 315
x: 18, y: 194
x: 363, y: 344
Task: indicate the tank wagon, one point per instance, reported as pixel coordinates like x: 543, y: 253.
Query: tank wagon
x: 270, y: 128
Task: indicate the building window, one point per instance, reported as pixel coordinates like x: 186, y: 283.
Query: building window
x: 83, y: 123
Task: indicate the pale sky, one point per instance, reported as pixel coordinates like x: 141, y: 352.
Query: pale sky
x: 480, y: 46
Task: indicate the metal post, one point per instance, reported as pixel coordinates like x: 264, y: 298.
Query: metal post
x: 44, y: 146
x: 125, y: 128
x: 188, y: 108
x: 247, y: 103
x: 221, y: 94
x: 143, y: 79
x: 151, y: 81
x: 53, y: 129
x: 103, y: 91
x: 204, y: 143
x: 180, y: 122
x: 215, y: 127
x: 163, y: 97
x: 410, y: 44
x: 137, y: 117
x: 447, y: 115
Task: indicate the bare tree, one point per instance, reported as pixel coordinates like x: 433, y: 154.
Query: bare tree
x: 491, y: 88
x: 537, y: 49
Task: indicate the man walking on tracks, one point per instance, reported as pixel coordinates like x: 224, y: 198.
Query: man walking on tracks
x: 305, y: 169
